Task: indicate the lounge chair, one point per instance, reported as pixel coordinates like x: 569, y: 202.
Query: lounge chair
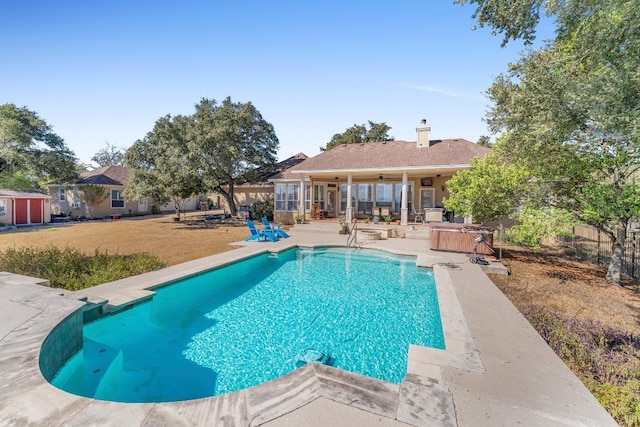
x: 261, y: 236
x: 276, y: 230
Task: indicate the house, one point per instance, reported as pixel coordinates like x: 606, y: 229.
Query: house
x: 398, y: 178
x: 260, y: 185
x: 24, y: 207
x: 66, y: 199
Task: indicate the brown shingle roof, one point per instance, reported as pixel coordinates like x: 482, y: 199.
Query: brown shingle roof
x: 109, y: 175
x: 392, y: 154
x: 284, y: 167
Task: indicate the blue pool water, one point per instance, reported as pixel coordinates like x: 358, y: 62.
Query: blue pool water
x: 250, y: 322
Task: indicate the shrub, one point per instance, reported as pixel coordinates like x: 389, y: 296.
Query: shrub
x: 535, y: 224
x: 605, y: 359
x: 262, y: 209
x: 72, y: 270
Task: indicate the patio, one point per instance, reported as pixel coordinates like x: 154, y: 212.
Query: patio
x: 496, y: 370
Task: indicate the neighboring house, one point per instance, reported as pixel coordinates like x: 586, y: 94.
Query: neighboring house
x: 66, y: 199
x: 260, y: 188
x: 364, y: 180
x: 24, y: 207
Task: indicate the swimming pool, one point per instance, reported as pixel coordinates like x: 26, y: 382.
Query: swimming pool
x: 249, y: 322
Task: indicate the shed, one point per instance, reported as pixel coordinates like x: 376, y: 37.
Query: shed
x: 24, y: 207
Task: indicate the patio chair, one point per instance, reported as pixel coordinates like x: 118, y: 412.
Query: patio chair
x: 261, y: 236
x: 276, y: 230
x: 417, y: 216
x: 316, y: 212
x: 256, y: 234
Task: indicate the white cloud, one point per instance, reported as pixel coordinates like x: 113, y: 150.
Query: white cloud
x: 441, y: 91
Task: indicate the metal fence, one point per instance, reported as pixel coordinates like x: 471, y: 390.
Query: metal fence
x: 597, y: 247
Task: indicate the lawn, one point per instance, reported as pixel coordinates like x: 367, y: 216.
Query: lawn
x: 172, y: 242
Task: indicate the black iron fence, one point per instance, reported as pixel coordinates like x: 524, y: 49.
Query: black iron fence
x: 597, y: 247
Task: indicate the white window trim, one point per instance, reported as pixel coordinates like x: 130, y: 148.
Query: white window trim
x: 111, y: 199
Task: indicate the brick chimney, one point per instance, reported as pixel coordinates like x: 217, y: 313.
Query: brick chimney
x: 423, y: 130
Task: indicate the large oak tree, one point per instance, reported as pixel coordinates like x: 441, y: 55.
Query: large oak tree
x: 214, y: 149
x: 230, y: 140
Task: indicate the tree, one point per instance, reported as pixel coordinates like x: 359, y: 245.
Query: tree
x: 570, y: 115
x: 28, y: 146
x: 212, y: 150
x: 159, y: 164
x: 514, y: 19
x: 357, y: 134
x: 491, y: 190
x: 109, y: 156
x: 16, y: 181
x: 93, y: 195
x: 229, y: 141
x: 485, y: 141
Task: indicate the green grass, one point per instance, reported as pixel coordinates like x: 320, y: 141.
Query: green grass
x: 72, y: 270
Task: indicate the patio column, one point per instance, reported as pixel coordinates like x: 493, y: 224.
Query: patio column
x: 404, y: 211
x: 349, y: 209
x: 301, y: 206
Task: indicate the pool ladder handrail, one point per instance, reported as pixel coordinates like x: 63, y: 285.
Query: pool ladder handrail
x: 352, y: 235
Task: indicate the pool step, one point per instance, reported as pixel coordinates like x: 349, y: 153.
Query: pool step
x: 99, y: 359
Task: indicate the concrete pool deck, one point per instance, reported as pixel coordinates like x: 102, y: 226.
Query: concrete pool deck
x: 495, y: 371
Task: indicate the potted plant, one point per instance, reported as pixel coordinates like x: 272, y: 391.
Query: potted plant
x: 388, y: 219
x: 341, y: 221
x: 397, y: 222
x: 298, y: 218
x: 366, y: 220
x: 354, y: 220
x: 376, y: 219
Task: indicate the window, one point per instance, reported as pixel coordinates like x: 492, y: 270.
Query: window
x: 3, y: 207
x: 398, y: 197
x: 287, y: 197
x: 318, y: 195
x: 62, y: 194
x: 292, y: 197
x: 365, y: 198
x: 77, y: 199
x: 117, y: 201
x: 307, y: 197
x: 383, y: 195
x: 281, y: 197
x: 343, y: 196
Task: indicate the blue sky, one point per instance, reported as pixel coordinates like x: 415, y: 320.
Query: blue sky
x: 102, y: 71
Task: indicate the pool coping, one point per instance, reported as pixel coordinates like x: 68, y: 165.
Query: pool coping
x: 433, y: 392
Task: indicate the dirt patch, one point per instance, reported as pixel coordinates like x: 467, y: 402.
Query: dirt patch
x: 172, y: 242
x: 556, y: 279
